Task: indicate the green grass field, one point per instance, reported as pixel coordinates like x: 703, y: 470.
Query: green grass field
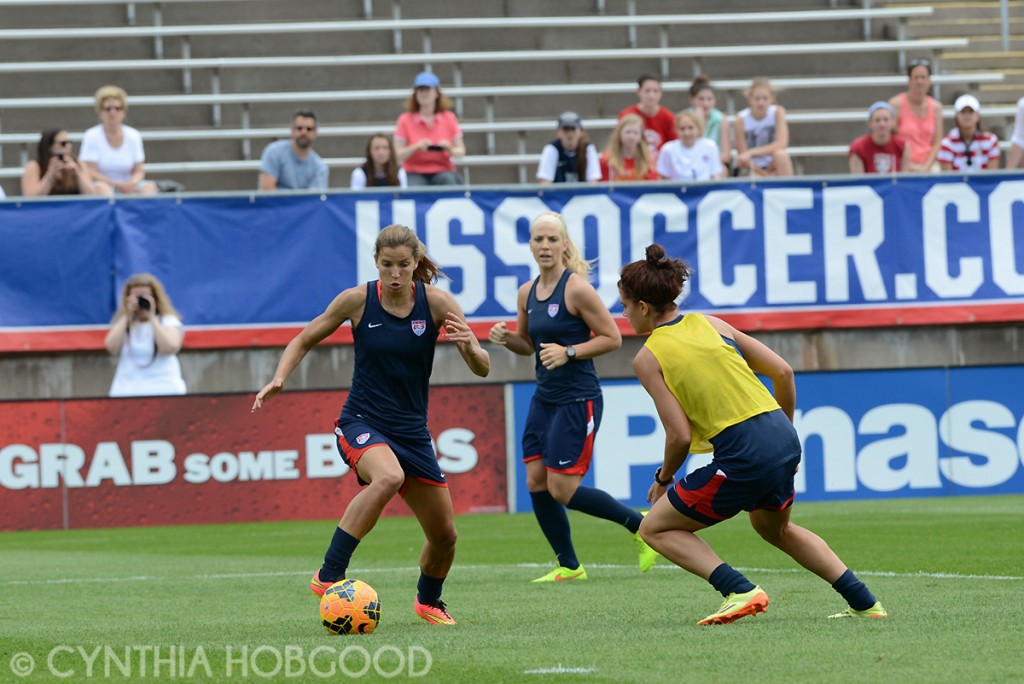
x: 949, y: 571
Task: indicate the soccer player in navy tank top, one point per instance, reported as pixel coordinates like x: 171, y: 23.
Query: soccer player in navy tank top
x: 557, y: 312
x: 699, y: 370
x: 382, y: 431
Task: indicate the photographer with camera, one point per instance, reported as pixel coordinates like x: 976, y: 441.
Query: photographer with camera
x: 55, y: 171
x: 146, y: 335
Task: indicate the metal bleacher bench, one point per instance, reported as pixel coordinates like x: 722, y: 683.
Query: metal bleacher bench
x: 457, y: 59
x: 631, y: 21
x: 522, y: 159
x: 489, y: 127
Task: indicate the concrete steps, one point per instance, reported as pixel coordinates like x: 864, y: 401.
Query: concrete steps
x: 951, y: 18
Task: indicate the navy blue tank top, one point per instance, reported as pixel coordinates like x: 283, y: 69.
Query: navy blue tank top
x: 393, y: 361
x: 550, y: 321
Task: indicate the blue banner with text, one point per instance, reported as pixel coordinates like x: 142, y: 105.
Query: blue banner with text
x: 856, y: 252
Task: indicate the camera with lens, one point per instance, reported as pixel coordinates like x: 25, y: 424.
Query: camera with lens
x: 59, y: 155
x: 143, y: 303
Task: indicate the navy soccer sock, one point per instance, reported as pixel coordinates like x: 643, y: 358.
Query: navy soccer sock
x: 428, y: 589
x: 338, y: 555
x: 601, y: 504
x: 854, y: 591
x: 554, y: 523
x: 727, y: 581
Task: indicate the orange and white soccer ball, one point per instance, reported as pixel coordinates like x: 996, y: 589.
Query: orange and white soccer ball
x: 350, y: 607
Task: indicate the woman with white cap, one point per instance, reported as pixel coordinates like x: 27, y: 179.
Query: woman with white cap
x: 879, y: 151
x: 428, y: 136
x: 570, y: 157
x: 967, y: 148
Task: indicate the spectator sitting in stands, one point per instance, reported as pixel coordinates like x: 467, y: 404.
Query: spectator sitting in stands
x: 627, y: 158
x: 879, y: 151
x: 292, y: 164
x: 1017, y: 148
x: 570, y: 157
x: 762, y: 134
x: 55, y: 171
x: 919, y: 117
x: 381, y: 167
x: 980, y: 153
x: 112, y: 152
x: 690, y: 157
x: 716, y: 123
x: 428, y: 135
x: 659, y: 123
x: 145, y: 335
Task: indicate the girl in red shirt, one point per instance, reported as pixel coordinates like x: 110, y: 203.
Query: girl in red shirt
x: 627, y: 157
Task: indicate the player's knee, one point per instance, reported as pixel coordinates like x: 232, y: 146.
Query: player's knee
x: 389, y: 482
x: 444, y: 539
x: 537, y: 483
x: 650, y: 531
x: 562, y: 492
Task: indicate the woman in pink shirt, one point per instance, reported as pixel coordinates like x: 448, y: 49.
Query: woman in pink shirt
x: 919, y: 117
x: 428, y: 135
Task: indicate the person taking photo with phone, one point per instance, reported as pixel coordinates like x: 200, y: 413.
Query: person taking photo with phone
x: 146, y: 335
x: 55, y: 171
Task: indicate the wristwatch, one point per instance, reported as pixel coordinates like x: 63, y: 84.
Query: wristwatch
x: 570, y: 352
x: 659, y: 481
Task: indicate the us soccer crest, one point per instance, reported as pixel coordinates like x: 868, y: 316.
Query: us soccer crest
x: 361, y: 439
x: 552, y: 310
x: 419, y: 327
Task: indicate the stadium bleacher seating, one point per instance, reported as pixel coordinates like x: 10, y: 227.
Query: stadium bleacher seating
x: 211, y: 83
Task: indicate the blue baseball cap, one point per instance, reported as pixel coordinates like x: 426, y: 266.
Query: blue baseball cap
x: 426, y: 79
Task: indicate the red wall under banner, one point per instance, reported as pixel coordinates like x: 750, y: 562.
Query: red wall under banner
x: 207, y: 459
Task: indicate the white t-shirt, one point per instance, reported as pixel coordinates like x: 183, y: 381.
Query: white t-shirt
x: 358, y: 181
x: 549, y: 163
x: 759, y: 132
x: 698, y: 163
x: 1018, y: 126
x: 116, y: 163
x: 141, y: 370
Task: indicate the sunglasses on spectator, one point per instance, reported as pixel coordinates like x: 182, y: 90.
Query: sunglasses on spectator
x: 920, y: 62
x: 307, y: 129
x: 112, y: 108
x: 62, y: 143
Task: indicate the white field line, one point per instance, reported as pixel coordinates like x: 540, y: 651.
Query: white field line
x: 457, y: 568
x: 558, y: 669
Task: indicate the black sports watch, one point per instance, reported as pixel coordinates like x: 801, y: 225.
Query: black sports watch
x: 570, y: 352
x: 659, y: 481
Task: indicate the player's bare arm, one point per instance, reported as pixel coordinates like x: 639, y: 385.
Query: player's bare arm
x: 677, y: 426
x: 518, y: 340
x: 450, y: 319
x: 763, y: 360
x: 348, y: 305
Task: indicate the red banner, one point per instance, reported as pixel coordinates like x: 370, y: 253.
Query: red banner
x: 207, y: 459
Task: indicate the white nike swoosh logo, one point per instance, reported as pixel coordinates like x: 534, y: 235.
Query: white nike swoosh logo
x: 374, y: 325
x: 565, y: 462
x: 529, y: 311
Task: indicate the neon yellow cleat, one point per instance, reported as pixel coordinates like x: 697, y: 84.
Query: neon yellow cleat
x: 646, y: 553
x: 561, y: 574
x: 736, y: 606
x: 875, y: 611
